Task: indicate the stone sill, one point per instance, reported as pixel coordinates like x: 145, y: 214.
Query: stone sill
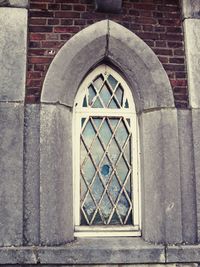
x: 101, y: 251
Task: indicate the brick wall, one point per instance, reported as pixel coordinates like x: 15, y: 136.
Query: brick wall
x: 157, y: 22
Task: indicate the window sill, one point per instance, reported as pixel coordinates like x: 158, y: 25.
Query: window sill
x: 101, y: 251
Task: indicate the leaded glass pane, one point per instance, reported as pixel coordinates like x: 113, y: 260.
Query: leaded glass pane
x: 105, y: 92
x: 105, y: 172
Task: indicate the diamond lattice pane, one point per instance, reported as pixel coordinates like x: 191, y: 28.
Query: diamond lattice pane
x: 105, y: 172
x: 105, y: 92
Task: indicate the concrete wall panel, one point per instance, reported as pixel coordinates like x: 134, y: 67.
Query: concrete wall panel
x: 160, y: 177
x: 13, y: 49
x: 56, y: 191
x: 11, y: 173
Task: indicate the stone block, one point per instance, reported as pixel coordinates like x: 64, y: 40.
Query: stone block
x: 14, y: 3
x: 103, y: 251
x: 144, y: 72
x: 31, y: 174
x: 192, y: 43
x: 191, y: 8
x: 196, y: 143
x: 189, y: 253
x: 160, y: 177
x: 11, y: 174
x: 56, y: 191
x: 188, y: 187
x: 73, y: 62
x: 13, y: 49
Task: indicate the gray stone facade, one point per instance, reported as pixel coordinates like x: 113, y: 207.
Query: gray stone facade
x: 36, y: 192
x: 191, y: 16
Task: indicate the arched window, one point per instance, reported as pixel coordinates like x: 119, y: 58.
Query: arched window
x: 106, y: 185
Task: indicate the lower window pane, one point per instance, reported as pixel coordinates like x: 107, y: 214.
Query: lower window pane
x: 106, y: 171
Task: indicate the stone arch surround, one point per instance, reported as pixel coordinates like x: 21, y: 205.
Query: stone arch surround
x: 161, y: 170
x: 107, y: 40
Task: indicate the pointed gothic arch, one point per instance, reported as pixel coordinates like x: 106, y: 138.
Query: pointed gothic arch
x: 110, y: 43
x: 107, y: 40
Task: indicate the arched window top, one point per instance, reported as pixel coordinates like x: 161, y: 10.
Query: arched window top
x: 104, y: 88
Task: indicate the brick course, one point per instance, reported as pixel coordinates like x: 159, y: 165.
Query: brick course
x: 157, y: 22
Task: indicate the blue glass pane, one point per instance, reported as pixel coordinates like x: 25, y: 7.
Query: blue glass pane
x: 113, y: 104
x: 83, y: 188
x: 113, y: 151
x: 106, y: 207
x: 122, y: 169
x: 97, y: 189
x: 89, y: 207
x: 105, y: 132
x: 85, y: 102
x: 112, y: 81
x: 88, y: 170
x: 106, y: 169
x: 97, y: 122
x: 88, y: 134
x: 123, y: 206
x: 105, y: 95
x: 97, y: 151
x: 121, y: 133
x: 126, y: 104
x: 83, y: 152
x: 119, y: 94
x: 98, y: 82
x: 114, y: 188
x: 97, y: 103
x: 91, y: 95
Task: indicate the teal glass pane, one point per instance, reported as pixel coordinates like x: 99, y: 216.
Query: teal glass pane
x: 105, y: 95
x: 83, y: 152
x: 98, y: 82
x: 98, y: 220
x: 105, y: 132
x: 106, y: 207
x: 83, y: 188
x: 113, y: 104
x: 123, y: 206
x: 122, y: 169
x: 121, y: 133
x: 88, y: 170
x: 97, y: 188
x: 97, y: 122
x: 126, y: 104
x: 113, y: 151
x: 89, y: 207
x: 85, y: 102
x: 91, y: 95
x: 119, y: 94
x: 97, y: 151
x: 88, y: 134
x: 97, y: 103
x: 114, y: 188
x: 112, y: 81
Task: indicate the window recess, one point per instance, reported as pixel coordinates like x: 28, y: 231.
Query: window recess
x: 106, y: 168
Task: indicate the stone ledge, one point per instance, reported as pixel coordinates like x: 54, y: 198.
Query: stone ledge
x: 87, y: 251
x: 183, y: 253
x: 14, y: 3
x: 101, y: 251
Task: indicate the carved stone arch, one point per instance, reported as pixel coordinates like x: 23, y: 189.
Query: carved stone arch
x: 152, y: 93
x: 107, y: 40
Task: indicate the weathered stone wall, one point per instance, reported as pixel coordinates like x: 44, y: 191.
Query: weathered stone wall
x: 13, y: 51
x: 36, y: 194
x: 191, y: 17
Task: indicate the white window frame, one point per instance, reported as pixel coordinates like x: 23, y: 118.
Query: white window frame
x: 130, y: 113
